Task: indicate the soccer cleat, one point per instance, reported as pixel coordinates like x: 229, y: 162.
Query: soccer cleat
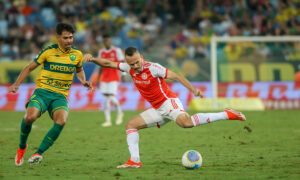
x: 35, y: 159
x: 235, y: 115
x: 119, y: 118
x: 19, y: 159
x: 131, y: 164
x: 107, y: 124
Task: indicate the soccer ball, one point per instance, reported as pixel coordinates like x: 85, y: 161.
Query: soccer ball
x: 191, y: 159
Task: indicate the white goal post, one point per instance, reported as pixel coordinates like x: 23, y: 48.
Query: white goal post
x: 213, y: 46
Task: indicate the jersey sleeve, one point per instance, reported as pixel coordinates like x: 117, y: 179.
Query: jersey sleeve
x: 158, y: 70
x: 120, y: 55
x: 124, y: 67
x: 79, y: 64
x: 41, y: 58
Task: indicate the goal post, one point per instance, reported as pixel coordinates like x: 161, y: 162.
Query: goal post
x: 216, y: 40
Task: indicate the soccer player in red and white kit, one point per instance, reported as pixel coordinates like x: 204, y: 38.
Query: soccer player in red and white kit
x: 149, y: 78
x: 109, y: 80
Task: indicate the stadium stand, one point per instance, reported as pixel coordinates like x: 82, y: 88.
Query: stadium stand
x: 28, y: 26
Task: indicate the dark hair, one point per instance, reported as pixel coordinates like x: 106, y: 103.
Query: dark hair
x: 60, y: 27
x: 106, y: 35
x: 130, y: 51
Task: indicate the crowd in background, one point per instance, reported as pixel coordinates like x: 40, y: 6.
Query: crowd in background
x: 234, y: 18
x: 27, y: 26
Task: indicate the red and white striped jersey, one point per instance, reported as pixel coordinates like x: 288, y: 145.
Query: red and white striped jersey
x: 114, y: 54
x: 150, y: 82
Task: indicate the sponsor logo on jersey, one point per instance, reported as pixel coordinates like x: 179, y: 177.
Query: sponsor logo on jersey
x: 141, y: 82
x: 58, y: 83
x: 61, y: 68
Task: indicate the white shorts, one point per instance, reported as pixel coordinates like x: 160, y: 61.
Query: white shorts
x: 169, y: 110
x: 109, y: 87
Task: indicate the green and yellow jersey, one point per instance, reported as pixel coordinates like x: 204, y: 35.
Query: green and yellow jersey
x: 58, y: 68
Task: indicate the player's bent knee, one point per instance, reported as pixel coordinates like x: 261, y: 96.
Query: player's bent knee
x: 61, y: 122
x: 136, y: 123
x: 31, y: 115
x: 60, y: 117
x: 30, y: 118
x: 130, y: 125
x: 184, y: 125
x: 184, y: 121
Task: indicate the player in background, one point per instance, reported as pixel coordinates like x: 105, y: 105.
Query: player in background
x: 149, y: 78
x: 59, y: 62
x: 109, y: 80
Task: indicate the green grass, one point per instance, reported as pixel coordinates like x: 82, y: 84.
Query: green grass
x: 266, y: 146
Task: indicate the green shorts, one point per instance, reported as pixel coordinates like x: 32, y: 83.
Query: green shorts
x: 47, y: 101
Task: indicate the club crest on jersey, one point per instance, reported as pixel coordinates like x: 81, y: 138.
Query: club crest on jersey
x: 144, y: 76
x: 72, y: 57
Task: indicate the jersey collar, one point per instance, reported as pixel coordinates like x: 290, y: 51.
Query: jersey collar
x: 107, y: 50
x: 61, y: 49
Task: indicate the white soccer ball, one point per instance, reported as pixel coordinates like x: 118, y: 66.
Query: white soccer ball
x: 191, y: 159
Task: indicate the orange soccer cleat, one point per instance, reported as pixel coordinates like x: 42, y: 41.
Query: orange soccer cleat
x: 35, y: 159
x: 131, y: 164
x: 19, y: 159
x: 235, y: 115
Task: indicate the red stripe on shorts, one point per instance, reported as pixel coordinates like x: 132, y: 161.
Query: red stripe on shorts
x: 175, y: 106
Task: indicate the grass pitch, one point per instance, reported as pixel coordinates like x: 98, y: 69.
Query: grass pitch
x: 266, y: 146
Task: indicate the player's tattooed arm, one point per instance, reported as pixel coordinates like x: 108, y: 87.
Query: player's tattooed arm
x: 100, y: 61
x: 177, y: 77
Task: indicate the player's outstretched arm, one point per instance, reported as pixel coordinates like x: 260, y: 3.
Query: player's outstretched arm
x: 81, y: 77
x: 23, y: 75
x: 174, y: 76
x: 100, y: 61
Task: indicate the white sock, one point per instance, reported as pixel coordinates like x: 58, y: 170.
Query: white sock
x: 116, y: 103
x: 203, y: 118
x: 107, y: 109
x: 133, y: 144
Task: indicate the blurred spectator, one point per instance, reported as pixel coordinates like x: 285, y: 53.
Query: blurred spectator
x: 297, y: 75
x: 294, y: 55
x: 235, y: 18
x: 263, y: 51
x: 26, y: 25
x: 140, y: 22
x: 131, y: 19
x: 233, y: 51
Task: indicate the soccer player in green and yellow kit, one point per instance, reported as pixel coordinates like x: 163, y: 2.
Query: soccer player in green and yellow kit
x: 59, y: 62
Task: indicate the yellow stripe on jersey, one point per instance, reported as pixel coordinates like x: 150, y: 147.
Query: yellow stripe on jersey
x: 58, y: 68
